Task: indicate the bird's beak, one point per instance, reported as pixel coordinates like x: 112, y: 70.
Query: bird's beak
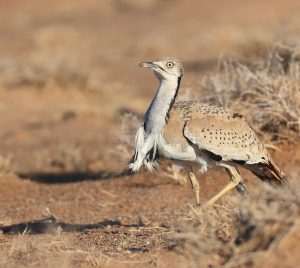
x: 148, y: 65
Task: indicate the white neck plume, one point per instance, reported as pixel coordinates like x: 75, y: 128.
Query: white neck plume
x: 157, y: 113
x: 155, y: 119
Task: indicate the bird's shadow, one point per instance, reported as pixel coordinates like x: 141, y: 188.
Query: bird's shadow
x: 51, y: 225
x: 71, y: 177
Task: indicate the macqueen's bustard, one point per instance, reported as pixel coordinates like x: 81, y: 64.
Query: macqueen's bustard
x: 198, y: 136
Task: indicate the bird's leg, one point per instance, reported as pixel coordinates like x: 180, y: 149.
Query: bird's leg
x: 195, y: 185
x: 235, y: 179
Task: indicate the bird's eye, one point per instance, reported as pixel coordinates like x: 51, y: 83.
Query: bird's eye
x: 170, y: 64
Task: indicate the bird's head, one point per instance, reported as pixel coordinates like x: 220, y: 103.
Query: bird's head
x: 165, y: 68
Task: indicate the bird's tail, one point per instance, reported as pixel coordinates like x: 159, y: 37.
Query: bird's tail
x: 268, y: 171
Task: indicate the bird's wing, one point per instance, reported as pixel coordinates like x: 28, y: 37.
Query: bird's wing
x: 227, y: 138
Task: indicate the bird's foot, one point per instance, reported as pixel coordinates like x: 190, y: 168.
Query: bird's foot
x: 242, y: 189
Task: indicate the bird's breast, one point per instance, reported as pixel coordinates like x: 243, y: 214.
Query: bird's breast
x: 174, y: 149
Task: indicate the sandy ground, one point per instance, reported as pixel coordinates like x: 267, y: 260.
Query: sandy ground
x: 60, y: 203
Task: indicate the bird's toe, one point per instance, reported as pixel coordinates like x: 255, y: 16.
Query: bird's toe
x: 241, y: 188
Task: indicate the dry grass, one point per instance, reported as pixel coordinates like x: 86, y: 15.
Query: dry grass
x: 266, y: 92
x: 237, y: 233
x: 245, y: 235
x: 49, y: 251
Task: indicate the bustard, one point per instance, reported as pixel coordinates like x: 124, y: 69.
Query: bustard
x: 198, y: 136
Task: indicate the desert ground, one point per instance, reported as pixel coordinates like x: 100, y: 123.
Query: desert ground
x: 72, y: 97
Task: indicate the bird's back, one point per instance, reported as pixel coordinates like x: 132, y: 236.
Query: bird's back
x: 194, y: 109
x: 214, y: 129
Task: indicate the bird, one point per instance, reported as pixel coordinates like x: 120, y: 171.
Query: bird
x: 198, y: 136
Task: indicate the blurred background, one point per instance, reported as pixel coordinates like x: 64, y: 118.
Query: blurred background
x: 72, y: 97
x: 69, y: 68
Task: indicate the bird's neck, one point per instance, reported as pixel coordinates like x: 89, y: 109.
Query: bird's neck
x: 158, y: 111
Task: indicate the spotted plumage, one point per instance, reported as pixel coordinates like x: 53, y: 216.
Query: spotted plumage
x: 217, y: 130
x: 198, y: 136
